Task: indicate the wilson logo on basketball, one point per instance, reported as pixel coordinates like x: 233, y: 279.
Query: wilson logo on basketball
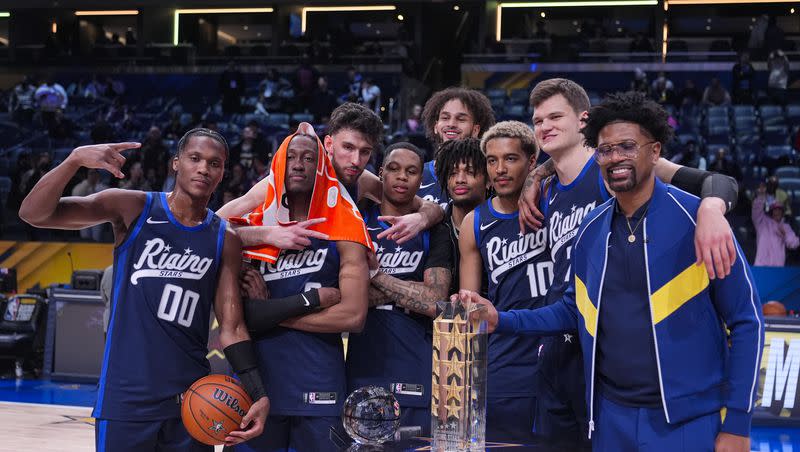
x: 231, y: 402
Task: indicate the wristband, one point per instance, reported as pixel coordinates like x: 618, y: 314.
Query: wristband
x: 723, y: 187
x: 242, y: 357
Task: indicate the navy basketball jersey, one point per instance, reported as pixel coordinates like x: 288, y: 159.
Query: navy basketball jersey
x: 394, y: 348
x: 430, y: 189
x: 519, y: 274
x: 165, y: 279
x: 564, y: 208
x: 303, y: 372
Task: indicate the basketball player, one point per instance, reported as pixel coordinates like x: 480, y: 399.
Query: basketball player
x: 667, y: 349
x: 173, y: 259
x: 451, y: 114
x: 394, y: 349
x: 302, y: 361
x: 560, y: 110
x: 353, y: 132
x: 461, y: 171
x: 519, y: 273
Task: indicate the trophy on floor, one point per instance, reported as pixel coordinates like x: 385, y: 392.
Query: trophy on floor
x: 458, y: 402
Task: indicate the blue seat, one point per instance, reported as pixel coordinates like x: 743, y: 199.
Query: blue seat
x: 789, y: 184
x: 303, y: 117
x: 716, y: 112
x: 278, y: 119
x: 787, y: 171
x: 743, y: 110
x: 778, y: 151
x: 770, y: 111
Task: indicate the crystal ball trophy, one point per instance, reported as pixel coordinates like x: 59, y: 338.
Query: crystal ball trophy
x: 371, y: 415
x: 458, y: 402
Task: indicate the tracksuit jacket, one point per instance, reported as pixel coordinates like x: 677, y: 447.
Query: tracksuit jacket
x: 701, y: 369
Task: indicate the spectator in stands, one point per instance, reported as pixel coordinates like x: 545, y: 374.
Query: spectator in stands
x: 271, y: 90
x: 323, y: 102
x: 237, y: 183
x: 247, y: 148
x: 155, y: 153
x: 371, y: 95
x: 715, y: 94
x: 50, y: 96
x: 174, y: 130
x: 662, y: 89
x: 130, y: 37
x: 757, y: 33
x: 689, y: 94
x: 32, y: 176
x: 743, y: 75
x: 169, y: 181
x: 94, y: 89
x: 259, y: 170
x: 690, y: 156
x: 231, y: 87
x: 22, y: 103
x: 776, y: 194
x: 61, y: 128
x: 639, y: 82
x: 102, y: 132
x: 89, y: 186
x: 136, y: 179
x: 413, y: 123
x: 778, y: 67
x: 640, y: 43
x: 353, y: 89
x: 774, y: 235
x: 305, y: 83
x: 724, y: 164
x: 773, y: 36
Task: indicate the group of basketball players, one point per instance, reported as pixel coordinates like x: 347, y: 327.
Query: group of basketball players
x: 481, y: 218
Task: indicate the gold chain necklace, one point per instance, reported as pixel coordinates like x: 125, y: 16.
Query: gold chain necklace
x: 632, y: 237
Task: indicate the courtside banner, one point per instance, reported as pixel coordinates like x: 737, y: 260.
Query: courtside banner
x: 778, y: 400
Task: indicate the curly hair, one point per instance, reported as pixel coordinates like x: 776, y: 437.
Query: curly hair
x: 512, y: 129
x: 478, y: 105
x: 356, y: 117
x: 455, y: 152
x: 633, y: 107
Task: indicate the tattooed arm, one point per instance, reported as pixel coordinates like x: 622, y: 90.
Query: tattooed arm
x: 420, y: 297
x: 529, y: 214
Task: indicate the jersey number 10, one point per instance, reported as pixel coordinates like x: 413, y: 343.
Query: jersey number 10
x: 540, y: 276
x: 178, y: 303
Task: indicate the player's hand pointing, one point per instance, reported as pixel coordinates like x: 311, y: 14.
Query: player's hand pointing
x: 103, y: 156
x: 252, y: 423
x: 294, y: 237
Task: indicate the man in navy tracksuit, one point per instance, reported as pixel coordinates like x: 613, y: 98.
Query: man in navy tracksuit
x: 662, y: 371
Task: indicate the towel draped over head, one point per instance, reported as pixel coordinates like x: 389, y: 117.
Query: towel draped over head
x: 329, y: 200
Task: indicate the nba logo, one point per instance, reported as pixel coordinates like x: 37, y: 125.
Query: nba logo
x: 312, y: 397
x: 398, y: 387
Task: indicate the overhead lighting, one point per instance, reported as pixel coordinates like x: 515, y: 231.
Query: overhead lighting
x: 5, y: 14
x: 400, y: 16
x: 356, y: 8
x: 542, y: 14
x: 577, y: 4
x: 178, y: 12
x: 108, y: 12
x: 726, y: 2
x: 456, y: 8
x: 54, y: 28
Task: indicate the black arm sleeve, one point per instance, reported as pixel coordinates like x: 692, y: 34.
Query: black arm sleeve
x: 706, y: 184
x: 242, y: 357
x: 263, y: 315
x: 440, y: 253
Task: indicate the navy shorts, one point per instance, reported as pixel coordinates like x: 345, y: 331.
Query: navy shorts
x: 510, y: 419
x: 135, y: 436
x: 561, y: 415
x: 294, y: 434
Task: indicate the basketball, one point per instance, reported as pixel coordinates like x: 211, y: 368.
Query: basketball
x: 774, y: 309
x: 212, y: 407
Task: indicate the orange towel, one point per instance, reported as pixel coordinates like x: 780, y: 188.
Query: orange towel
x: 329, y: 200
